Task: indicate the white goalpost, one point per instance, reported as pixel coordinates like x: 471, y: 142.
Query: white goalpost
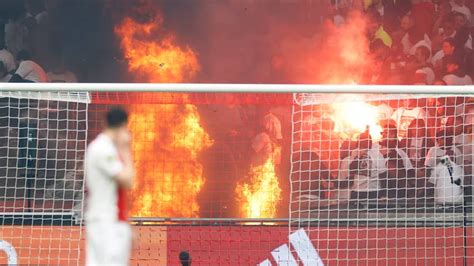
x: 376, y: 174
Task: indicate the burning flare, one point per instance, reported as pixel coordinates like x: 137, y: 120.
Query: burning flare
x: 351, y: 118
x: 167, y: 138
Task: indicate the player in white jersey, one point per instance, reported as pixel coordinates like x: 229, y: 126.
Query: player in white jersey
x: 109, y: 172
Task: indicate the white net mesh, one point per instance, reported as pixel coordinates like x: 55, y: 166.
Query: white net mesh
x: 43, y: 139
x: 383, y: 179
x: 375, y: 179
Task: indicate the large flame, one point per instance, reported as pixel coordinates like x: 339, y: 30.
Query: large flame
x: 167, y: 138
x: 260, y: 197
x: 155, y: 60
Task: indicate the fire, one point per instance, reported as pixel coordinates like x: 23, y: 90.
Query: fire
x: 167, y: 138
x: 154, y: 60
x: 261, y: 195
x: 168, y: 174
x: 352, y: 118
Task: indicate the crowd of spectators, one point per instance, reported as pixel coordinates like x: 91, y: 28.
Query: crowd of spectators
x: 420, y: 42
x: 27, y: 50
x: 424, y: 154
x: 411, y: 41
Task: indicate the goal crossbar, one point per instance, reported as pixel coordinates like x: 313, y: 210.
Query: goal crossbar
x: 237, y: 88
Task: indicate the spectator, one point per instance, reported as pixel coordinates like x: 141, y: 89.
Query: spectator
x: 446, y: 109
x: 364, y: 166
x: 398, y: 173
x: 28, y: 70
x: 338, y: 13
x: 393, y: 11
x: 455, y: 124
x: 412, y: 38
x: 448, y: 48
x: 266, y: 144
x: 459, y: 6
x: 417, y: 143
x: 444, y: 146
x: 462, y: 124
x: 447, y: 177
x: 445, y: 170
x: 470, y: 5
x: 405, y: 114
x: 379, y: 71
x: 456, y: 75
x: 377, y: 6
x: 59, y: 73
x: 466, y: 145
x: 462, y: 38
x: 376, y: 30
x: 447, y: 29
x: 7, y: 58
x: 444, y: 22
x: 466, y: 111
x: 424, y: 73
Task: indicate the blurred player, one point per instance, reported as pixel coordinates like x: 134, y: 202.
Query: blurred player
x: 109, y: 172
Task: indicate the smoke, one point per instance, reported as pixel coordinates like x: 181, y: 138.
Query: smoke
x: 336, y: 55
x: 275, y: 43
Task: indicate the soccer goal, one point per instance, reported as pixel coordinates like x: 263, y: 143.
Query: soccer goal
x: 382, y: 179
x: 244, y: 174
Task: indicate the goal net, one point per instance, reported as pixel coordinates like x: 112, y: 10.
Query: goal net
x: 247, y: 178
x: 382, y: 179
x: 43, y: 139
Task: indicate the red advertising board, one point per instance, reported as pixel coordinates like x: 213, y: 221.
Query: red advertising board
x: 249, y: 245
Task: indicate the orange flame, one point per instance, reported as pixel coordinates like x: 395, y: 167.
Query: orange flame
x: 168, y: 174
x: 155, y: 60
x: 261, y: 195
x: 167, y: 138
